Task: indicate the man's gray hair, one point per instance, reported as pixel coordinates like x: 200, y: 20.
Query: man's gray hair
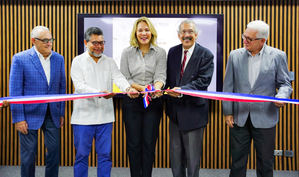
x: 188, y: 21
x: 261, y: 27
x: 37, y: 30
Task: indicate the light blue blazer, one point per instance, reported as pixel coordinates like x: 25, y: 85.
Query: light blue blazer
x: 273, y: 75
x: 27, y: 77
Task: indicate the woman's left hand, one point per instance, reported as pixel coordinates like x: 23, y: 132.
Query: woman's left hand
x: 156, y: 94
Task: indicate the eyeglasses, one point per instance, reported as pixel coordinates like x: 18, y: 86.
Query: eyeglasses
x: 95, y: 43
x: 248, y: 39
x: 187, y: 32
x: 45, y: 40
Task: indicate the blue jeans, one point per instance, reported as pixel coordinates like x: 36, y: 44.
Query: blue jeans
x: 28, y: 144
x: 83, y: 136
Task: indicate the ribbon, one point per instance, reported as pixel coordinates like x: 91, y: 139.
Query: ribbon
x: 33, y: 99
x: 237, y: 97
x: 147, y: 98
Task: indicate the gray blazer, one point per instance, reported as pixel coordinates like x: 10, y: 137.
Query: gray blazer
x: 273, y: 75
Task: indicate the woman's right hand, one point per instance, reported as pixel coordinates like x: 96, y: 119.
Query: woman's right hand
x: 132, y: 92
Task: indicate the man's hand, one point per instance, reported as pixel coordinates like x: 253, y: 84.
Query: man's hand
x: 110, y: 94
x: 5, y: 104
x: 22, y: 127
x: 173, y: 93
x: 139, y: 88
x: 61, y: 121
x: 279, y: 104
x: 229, y: 120
x: 157, y: 93
x: 132, y: 92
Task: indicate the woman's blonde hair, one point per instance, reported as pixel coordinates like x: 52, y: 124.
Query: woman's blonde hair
x: 133, y: 38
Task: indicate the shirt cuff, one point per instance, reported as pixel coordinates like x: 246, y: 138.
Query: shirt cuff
x: 180, y: 96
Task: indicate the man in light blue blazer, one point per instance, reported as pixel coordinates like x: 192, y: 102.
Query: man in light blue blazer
x: 256, y: 69
x: 38, y: 71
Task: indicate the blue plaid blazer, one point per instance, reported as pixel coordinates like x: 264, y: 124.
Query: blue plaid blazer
x: 27, y: 77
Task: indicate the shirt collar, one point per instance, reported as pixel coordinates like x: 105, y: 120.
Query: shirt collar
x: 152, y: 47
x: 87, y: 55
x: 40, y: 56
x: 190, y: 50
x: 258, y: 54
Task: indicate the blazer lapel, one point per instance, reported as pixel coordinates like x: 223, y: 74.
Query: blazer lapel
x: 191, y: 63
x: 53, y: 71
x: 177, y: 64
x: 263, y: 66
x: 244, y: 67
x: 37, y: 64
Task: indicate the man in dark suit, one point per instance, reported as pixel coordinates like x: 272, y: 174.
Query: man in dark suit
x: 38, y: 71
x: 189, y: 66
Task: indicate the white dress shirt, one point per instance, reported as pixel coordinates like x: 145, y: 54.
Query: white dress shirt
x: 91, y: 77
x: 46, y: 64
x: 254, y: 65
x: 189, y: 54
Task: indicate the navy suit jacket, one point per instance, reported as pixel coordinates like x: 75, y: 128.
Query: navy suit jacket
x: 27, y: 77
x: 189, y: 112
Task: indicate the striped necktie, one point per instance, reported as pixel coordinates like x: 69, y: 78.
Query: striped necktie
x: 183, y: 63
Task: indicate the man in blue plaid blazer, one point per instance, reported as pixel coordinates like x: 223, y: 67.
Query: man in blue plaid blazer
x: 38, y: 71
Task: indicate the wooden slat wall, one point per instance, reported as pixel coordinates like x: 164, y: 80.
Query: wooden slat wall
x: 17, y: 18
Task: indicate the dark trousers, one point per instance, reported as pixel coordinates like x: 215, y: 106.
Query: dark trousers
x: 28, y: 144
x: 185, y: 149
x: 142, y: 128
x: 264, y: 142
